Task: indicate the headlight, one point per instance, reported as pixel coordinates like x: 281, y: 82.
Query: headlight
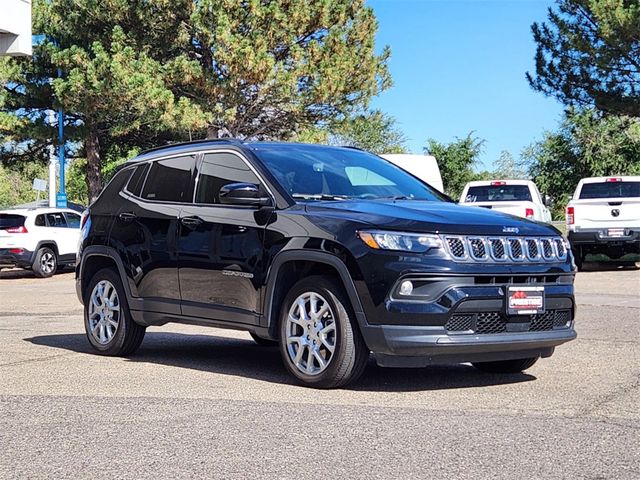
x: 400, y: 241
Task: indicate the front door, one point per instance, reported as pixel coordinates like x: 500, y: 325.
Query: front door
x: 220, y: 246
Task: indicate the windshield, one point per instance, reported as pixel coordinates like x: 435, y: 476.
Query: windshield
x: 310, y: 172
x: 498, y: 193
x: 610, y: 190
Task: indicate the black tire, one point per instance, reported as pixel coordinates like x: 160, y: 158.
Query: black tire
x: 350, y: 354
x: 128, y: 335
x: 506, y: 366
x: 45, y: 263
x: 263, y: 342
x: 578, y: 258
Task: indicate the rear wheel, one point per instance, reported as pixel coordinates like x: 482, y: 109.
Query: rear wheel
x: 506, y: 366
x: 320, y: 342
x: 45, y: 263
x: 107, y: 320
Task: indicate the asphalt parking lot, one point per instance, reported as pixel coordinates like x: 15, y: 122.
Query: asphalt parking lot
x: 207, y: 403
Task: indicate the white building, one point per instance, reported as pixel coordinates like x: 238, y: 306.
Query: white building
x: 15, y: 27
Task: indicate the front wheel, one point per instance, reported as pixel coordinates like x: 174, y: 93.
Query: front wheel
x: 506, y: 366
x: 320, y: 342
x: 107, y: 320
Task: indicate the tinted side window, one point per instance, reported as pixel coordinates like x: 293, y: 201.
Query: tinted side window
x: 218, y: 170
x: 56, y: 220
x: 73, y: 220
x: 170, y: 180
x: 137, y: 179
x: 115, y: 185
x: 40, y: 222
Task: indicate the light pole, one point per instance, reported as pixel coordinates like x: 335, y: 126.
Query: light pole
x: 61, y: 197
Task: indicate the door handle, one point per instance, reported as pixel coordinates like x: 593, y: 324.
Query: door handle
x: 191, y: 222
x: 127, y: 216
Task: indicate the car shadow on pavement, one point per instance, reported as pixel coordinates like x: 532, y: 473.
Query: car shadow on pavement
x: 19, y: 273
x: 611, y: 266
x: 243, y: 358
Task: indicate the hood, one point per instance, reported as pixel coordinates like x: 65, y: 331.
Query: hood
x: 433, y: 217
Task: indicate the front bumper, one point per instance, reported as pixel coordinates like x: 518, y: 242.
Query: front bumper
x: 14, y: 256
x: 410, y: 346
x: 469, y: 323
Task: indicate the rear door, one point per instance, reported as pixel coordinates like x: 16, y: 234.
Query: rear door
x: 57, y: 231
x: 146, y: 229
x: 220, y: 247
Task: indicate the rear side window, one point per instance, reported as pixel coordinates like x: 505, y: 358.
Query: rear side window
x: 137, y: 179
x: 56, y: 219
x: 170, y: 180
x: 610, y: 190
x: 10, y: 220
x: 40, y: 221
x: 498, y: 193
x: 218, y: 170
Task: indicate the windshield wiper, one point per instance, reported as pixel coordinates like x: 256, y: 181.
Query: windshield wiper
x: 397, y: 197
x: 319, y: 196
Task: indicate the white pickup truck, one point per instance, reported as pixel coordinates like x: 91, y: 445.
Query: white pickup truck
x: 604, y: 217
x: 516, y: 197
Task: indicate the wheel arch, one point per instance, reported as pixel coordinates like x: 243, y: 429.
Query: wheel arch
x: 95, y: 258
x: 47, y: 244
x: 289, y: 267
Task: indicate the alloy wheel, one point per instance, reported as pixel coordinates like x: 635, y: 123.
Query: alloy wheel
x: 47, y: 262
x: 104, y: 312
x: 311, y: 333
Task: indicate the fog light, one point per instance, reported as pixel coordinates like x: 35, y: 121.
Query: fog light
x: 406, y: 288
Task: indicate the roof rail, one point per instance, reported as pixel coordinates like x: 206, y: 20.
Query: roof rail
x: 234, y: 141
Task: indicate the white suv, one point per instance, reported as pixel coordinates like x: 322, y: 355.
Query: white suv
x: 41, y: 239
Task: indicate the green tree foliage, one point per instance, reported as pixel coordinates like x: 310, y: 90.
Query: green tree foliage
x: 373, y: 131
x: 508, y: 168
x: 456, y: 161
x: 141, y: 73
x: 268, y: 69
x: 587, y: 144
x: 16, y: 183
x: 588, y: 55
x: 118, y: 59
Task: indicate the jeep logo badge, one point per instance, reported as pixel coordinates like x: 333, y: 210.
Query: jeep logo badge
x: 615, y: 212
x: 510, y: 230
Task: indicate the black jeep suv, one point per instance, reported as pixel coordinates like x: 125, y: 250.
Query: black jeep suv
x: 329, y: 252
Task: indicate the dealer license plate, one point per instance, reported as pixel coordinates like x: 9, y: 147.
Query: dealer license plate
x: 525, y: 300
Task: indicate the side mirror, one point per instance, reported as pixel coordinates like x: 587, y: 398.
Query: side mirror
x: 548, y: 201
x: 243, y: 194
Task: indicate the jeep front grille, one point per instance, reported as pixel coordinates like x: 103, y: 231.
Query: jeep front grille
x: 505, y: 249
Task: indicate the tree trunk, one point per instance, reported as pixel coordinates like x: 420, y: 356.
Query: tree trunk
x: 93, y: 178
x: 212, y: 132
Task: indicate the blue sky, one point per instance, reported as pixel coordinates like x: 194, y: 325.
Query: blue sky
x: 459, y: 66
